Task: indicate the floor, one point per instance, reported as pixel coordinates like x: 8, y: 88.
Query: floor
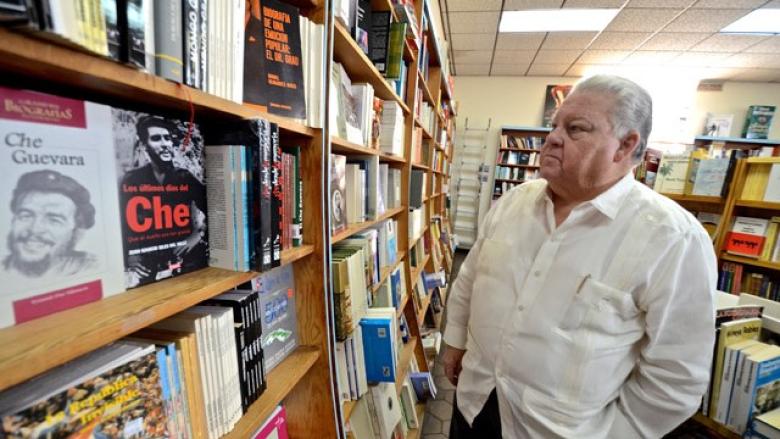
x: 436, y: 424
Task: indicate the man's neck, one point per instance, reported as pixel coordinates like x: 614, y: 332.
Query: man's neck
x: 565, y: 201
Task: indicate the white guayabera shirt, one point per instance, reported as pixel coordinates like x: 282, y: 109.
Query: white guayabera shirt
x: 601, y: 327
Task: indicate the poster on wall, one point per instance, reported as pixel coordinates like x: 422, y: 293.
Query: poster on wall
x: 553, y: 98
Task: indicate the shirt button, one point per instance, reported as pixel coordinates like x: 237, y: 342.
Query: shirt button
x: 537, y: 273
x: 521, y: 308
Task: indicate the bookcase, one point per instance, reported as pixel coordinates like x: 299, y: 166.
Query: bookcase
x: 304, y: 381
x: 436, y: 158
x: 517, y: 158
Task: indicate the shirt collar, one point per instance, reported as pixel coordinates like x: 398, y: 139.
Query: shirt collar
x: 608, y: 202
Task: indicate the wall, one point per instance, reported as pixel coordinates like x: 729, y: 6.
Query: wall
x: 505, y: 100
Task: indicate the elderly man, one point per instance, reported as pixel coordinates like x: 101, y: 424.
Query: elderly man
x: 585, y: 309
x: 51, y: 212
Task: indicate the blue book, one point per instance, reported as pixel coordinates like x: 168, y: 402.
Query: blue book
x: 378, y: 349
x: 395, y: 286
x: 762, y: 387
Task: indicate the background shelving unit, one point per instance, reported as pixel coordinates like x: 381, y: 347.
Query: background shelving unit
x: 435, y: 202
x: 516, y: 132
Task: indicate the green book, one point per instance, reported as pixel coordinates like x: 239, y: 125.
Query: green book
x: 758, y: 121
x: 395, y: 50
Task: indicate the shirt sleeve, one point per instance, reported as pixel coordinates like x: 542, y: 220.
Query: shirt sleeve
x: 673, y: 368
x: 459, y: 301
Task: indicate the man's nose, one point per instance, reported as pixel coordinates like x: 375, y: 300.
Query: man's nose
x: 553, y: 138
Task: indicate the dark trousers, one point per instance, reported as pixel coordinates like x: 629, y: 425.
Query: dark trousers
x: 487, y: 424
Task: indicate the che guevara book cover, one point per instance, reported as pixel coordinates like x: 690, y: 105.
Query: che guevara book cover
x: 273, y: 74
x: 162, y: 196
x: 61, y: 227
x: 114, y: 392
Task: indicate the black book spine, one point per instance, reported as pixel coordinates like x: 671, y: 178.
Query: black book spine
x: 379, y: 39
x: 265, y: 195
x: 277, y: 198
x: 191, y: 43
x: 204, y: 42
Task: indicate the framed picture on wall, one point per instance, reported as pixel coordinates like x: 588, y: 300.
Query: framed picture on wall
x: 554, y: 96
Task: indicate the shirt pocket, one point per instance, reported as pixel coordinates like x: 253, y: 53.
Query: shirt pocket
x: 607, y: 314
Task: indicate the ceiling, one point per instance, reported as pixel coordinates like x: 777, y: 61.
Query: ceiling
x: 671, y: 33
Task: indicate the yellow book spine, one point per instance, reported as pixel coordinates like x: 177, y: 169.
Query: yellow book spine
x: 769, y: 242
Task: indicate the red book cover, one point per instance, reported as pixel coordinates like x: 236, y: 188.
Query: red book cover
x: 744, y: 244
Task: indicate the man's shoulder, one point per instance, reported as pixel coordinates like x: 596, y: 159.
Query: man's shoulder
x: 136, y: 175
x: 662, y: 211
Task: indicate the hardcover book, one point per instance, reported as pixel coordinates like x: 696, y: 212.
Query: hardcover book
x: 62, y: 234
x: 162, y: 196
x: 273, y: 74
x: 758, y: 121
x: 671, y: 173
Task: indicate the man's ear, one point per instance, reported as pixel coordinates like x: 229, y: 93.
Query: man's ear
x: 628, y: 144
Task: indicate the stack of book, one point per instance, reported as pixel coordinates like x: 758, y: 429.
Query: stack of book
x: 509, y: 141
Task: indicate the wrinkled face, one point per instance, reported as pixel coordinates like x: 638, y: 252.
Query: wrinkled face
x: 159, y: 145
x: 43, y: 228
x: 579, y: 153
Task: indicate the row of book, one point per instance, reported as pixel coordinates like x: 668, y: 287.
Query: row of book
x: 518, y: 158
x: 733, y: 278
x: 362, y: 189
x: 194, y: 374
x: 746, y: 371
x: 247, y: 167
x: 514, y: 173
x: 132, y: 188
x: 257, y: 51
x: 754, y: 238
x: 509, y: 141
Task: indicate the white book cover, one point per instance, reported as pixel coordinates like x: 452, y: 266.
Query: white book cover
x: 750, y: 226
x: 149, y: 48
x: 341, y: 372
x: 718, y: 125
x: 353, y: 188
x: 672, y: 170
x: 408, y: 400
x: 772, y: 192
x: 62, y: 232
x: 361, y: 421
x: 387, y: 407
x: 350, y: 348
x: 710, y: 177
x: 223, y: 207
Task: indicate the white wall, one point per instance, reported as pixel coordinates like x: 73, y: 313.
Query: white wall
x: 508, y: 100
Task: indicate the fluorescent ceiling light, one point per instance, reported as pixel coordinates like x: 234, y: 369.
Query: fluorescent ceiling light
x: 760, y: 21
x: 556, y: 20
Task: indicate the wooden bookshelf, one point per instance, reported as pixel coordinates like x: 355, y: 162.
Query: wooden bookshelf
x: 507, y: 165
x: 344, y: 147
x: 413, y: 241
x: 389, y: 270
x: 426, y: 303
x: 404, y: 362
x: 359, y: 67
x: 402, y: 306
x: 61, y: 69
x: 383, y: 157
x: 682, y: 198
x: 750, y: 261
x: 766, y: 205
x: 721, y: 430
x: 427, y: 96
x: 359, y: 227
x: 421, y: 166
x: 280, y: 382
x: 416, y: 433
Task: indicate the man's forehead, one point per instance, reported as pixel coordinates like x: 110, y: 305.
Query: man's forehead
x: 584, y: 104
x: 46, y: 200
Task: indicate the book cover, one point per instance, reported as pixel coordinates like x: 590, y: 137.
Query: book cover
x: 278, y: 315
x: 718, y: 125
x: 265, y: 190
x: 710, y: 177
x: 122, y: 401
x: 338, y: 193
x: 691, y: 174
x: 747, y: 236
x: 136, y: 38
x: 111, y: 14
x: 362, y: 25
x: 672, y: 171
x: 553, y: 98
x: 275, y: 427
x: 273, y: 74
x: 388, y: 409
x: 758, y: 121
x: 766, y: 425
x: 395, y: 50
x: 379, y: 349
x: 277, y: 197
x: 772, y: 192
x: 730, y: 332
x: 203, y: 36
x: 162, y: 196
x: 63, y: 246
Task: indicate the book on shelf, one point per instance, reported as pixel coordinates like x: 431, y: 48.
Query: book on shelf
x: 379, y: 39
x: 387, y: 408
x: 275, y: 427
x: 696, y: 157
x: 766, y: 425
x: 424, y: 386
x: 391, y: 138
x: 395, y: 51
x: 718, y: 125
x: 169, y: 40
x: 273, y: 73
x: 63, y: 233
x: 672, y: 172
x: 747, y: 236
x: 710, y: 177
x: 752, y: 390
x: 758, y: 121
x: 114, y: 390
x: 361, y: 25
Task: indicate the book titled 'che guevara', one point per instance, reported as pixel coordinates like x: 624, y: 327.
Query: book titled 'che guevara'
x: 273, y: 74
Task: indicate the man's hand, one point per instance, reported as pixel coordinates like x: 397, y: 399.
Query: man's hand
x: 451, y: 360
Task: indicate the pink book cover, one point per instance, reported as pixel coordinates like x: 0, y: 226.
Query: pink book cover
x: 275, y: 427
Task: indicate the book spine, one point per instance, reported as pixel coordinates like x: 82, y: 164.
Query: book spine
x: 265, y: 195
x: 246, y: 207
x: 149, y: 32
x: 191, y: 19
x: 277, y: 196
x: 203, y: 36
x: 168, y: 59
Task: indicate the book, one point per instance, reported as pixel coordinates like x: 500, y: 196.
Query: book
x: 275, y: 427
x: 388, y: 409
x: 273, y: 74
x: 718, y: 125
x: 63, y: 240
x: 113, y: 391
x: 168, y: 40
x: 191, y: 27
x: 379, y: 39
x: 710, y: 177
x: 278, y: 315
x: 362, y: 25
x: 338, y: 189
x: 395, y: 51
x: 772, y: 191
x: 730, y: 332
x: 758, y: 121
x: 747, y: 236
x: 766, y: 426
x: 162, y: 195
x: 672, y: 171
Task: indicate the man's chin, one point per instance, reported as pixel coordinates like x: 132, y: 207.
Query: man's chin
x: 31, y: 267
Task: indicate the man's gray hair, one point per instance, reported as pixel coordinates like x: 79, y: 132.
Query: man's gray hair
x: 633, y: 109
